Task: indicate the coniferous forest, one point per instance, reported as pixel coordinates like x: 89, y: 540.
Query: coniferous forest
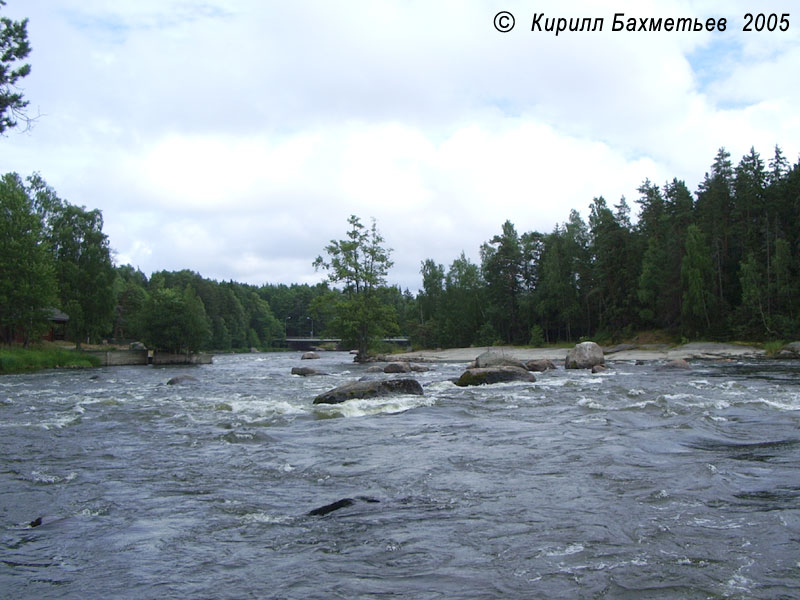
x: 720, y: 263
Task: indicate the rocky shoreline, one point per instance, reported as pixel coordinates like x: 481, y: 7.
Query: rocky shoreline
x: 649, y: 352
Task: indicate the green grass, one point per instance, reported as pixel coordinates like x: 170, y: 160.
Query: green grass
x: 772, y: 348
x: 15, y: 359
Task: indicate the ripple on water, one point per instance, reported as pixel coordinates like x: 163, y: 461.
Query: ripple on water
x: 636, y: 483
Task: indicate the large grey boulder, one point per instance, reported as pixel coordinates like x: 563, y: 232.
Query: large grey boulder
x: 790, y: 351
x: 493, y: 358
x: 309, y: 356
x: 584, y: 356
x: 370, y: 389
x: 489, y: 375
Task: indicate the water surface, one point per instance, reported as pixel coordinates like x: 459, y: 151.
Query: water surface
x: 637, y: 483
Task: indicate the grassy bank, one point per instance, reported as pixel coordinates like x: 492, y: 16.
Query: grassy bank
x: 14, y: 359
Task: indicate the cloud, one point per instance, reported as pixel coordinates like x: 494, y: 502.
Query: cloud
x: 234, y: 138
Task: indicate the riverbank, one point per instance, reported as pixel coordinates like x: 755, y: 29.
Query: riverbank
x: 16, y: 359
x: 646, y: 352
x: 25, y: 360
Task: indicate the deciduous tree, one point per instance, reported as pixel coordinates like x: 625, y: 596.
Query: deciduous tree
x: 27, y: 276
x: 361, y: 263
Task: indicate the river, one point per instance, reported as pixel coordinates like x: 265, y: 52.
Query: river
x: 634, y: 483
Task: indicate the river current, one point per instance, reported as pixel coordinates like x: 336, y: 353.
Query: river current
x: 634, y: 483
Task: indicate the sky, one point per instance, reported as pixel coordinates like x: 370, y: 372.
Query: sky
x: 234, y: 138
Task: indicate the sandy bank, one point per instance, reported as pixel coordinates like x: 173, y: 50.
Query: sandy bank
x: 694, y: 350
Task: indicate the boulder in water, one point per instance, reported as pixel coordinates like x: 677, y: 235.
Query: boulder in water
x: 493, y: 358
x: 539, y: 365
x: 676, y: 364
x: 309, y: 356
x: 182, y: 379
x: 370, y: 389
x: 344, y: 502
x: 584, y: 356
x: 397, y: 367
x: 789, y: 351
x: 305, y: 371
x: 489, y: 375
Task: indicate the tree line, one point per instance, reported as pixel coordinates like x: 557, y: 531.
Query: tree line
x: 719, y: 264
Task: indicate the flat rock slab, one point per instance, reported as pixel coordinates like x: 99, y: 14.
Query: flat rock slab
x: 370, y: 389
x: 497, y: 359
x: 489, y: 375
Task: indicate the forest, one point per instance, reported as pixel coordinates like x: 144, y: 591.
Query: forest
x: 719, y: 264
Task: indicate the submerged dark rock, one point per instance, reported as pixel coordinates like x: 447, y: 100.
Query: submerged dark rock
x: 370, y: 389
x: 676, y: 364
x: 181, y: 379
x: 344, y: 502
x: 305, y: 371
x: 489, y: 375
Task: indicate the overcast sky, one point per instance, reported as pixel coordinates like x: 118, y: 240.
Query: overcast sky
x: 235, y: 137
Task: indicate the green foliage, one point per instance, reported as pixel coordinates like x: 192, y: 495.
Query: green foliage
x: 773, y: 347
x: 20, y: 360
x: 486, y: 336
x: 699, y: 302
x: 537, y: 337
x: 361, y: 264
x: 84, y: 271
x: 14, y: 48
x: 27, y: 276
x: 175, y: 321
x: 502, y: 270
x: 724, y: 265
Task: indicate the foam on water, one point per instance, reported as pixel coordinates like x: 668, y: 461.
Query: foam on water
x: 374, y: 406
x: 635, y: 482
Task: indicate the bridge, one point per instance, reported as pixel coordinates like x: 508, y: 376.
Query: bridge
x: 306, y: 343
